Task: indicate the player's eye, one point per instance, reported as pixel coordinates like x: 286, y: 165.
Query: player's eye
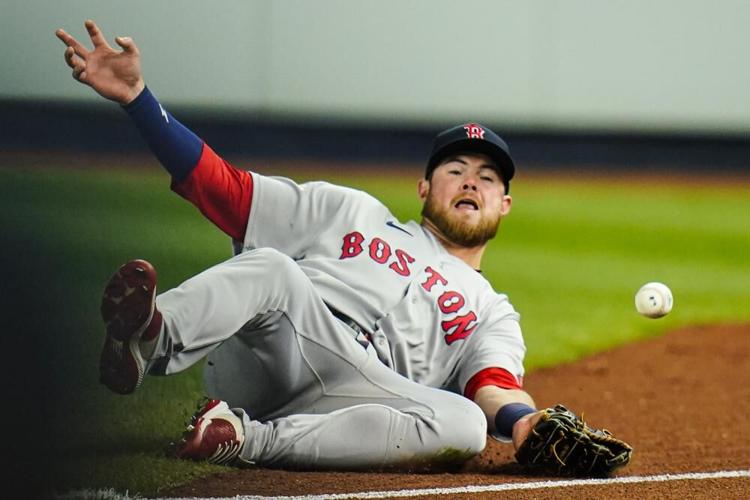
x: 487, y: 178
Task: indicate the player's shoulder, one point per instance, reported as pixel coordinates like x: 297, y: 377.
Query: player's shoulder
x: 319, y: 191
x: 343, y: 192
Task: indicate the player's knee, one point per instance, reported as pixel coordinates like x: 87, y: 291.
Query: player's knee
x: 476, y: 429
x: 269, y: 255
x: 466, y: 426
x: 275, y: 262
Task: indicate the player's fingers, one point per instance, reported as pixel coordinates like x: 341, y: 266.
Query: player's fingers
x: 69, y: 55
x: 96, y: 35
x: 71, y: 42
x: 127, y: 44
x: 72, y: 58
x: 79, y: 73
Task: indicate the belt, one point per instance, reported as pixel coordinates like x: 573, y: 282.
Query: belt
x: 360, y: 335
x: 347, y: 320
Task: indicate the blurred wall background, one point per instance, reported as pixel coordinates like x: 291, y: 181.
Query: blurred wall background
x: 549, y: 68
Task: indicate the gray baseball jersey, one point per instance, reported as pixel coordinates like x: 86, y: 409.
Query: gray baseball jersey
x: 429, y: 315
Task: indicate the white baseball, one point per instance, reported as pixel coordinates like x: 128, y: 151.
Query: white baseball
x: 654, y: 300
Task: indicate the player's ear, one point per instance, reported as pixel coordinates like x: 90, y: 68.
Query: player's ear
x: 423, y: 187
x: 505, y: 207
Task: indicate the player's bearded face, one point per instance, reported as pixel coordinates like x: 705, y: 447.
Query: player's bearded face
x: 457, y: 229
x: 465, y: 201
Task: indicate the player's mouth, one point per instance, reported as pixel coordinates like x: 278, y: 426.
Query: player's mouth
x: 466, y: 204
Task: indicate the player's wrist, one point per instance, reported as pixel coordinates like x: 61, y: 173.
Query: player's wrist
x: 133, y: 93
x: 508, y: 415
x: 136, y: 90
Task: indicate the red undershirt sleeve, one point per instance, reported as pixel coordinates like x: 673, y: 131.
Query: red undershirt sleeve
x: 220, y: 191
x: 491, y: 376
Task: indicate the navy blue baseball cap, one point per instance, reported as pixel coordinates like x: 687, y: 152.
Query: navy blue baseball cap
x: 477, y: 138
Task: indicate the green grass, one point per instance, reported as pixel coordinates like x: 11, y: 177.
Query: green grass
x: 570, y: 256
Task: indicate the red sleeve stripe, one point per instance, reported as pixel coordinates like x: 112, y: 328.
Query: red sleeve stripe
x: 499, y: 377
x: 221, y: 192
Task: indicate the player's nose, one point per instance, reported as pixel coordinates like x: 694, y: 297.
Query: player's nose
x: 470, y: 181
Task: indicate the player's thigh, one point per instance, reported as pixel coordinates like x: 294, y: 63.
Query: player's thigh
x: 375, y: 383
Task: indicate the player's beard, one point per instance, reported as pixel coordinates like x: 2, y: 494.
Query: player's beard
x: 458, y: 231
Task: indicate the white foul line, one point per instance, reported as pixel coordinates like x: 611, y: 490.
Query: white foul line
x: 112, y: 495
x: 504, y: 487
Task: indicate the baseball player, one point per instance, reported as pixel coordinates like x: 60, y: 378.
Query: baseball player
x: 337, y: 336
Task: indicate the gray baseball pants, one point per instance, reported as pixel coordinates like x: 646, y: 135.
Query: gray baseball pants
x: 309, y: 394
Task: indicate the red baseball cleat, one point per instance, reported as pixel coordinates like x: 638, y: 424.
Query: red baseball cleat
x: 214, y: 434
x: 130, y: 316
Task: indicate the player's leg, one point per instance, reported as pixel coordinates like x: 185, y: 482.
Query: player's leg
x: 168, y: 333
x: 262, y: 368
x: 376, y: 418
x: 243, y: 294
x: 267, y: 298
x: 316, y: 398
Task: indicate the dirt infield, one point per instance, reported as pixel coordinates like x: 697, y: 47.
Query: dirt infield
x: 681, y: 400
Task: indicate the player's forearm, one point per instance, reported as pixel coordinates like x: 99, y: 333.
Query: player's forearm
x: 221, y: 192
x: 176, y: 147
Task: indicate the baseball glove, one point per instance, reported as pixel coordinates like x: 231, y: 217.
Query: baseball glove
x: 561, y: 443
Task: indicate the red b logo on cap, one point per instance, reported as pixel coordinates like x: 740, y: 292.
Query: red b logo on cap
x: 474, y: 131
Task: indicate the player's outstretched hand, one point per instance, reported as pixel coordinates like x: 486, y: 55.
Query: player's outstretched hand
x: 113, y: 74
x: 557, y: 441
